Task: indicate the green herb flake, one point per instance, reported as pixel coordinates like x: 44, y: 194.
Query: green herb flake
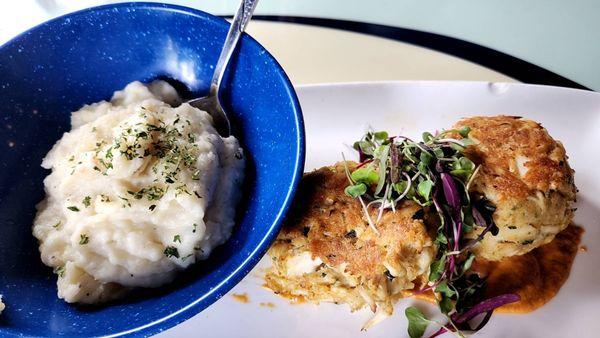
x: 84, y: 239
x: 177, y: 238
x: 60, y: 271
x: 55, y: 226
x: 126, y: 202
x: 171, y: 251
x: 87, y: 200
x: 73, y: 208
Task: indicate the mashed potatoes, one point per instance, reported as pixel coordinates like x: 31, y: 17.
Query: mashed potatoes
x: 138, y: 191
x: 2, y: 307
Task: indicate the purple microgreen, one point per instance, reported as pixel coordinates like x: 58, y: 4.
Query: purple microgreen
x: 450, y: 192
x: 436, y: 173
x: 485, y: 306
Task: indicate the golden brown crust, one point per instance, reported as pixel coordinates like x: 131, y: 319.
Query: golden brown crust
x: 524, y: 172
x: 502, y: 139
x: 327, y: 216
x: 351, y: 263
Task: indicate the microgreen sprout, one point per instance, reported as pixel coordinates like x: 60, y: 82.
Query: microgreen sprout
x: 436, y: 174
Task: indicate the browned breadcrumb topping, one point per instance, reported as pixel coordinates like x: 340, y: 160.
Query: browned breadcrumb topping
x: 333, y: 221
x: 502, y: 139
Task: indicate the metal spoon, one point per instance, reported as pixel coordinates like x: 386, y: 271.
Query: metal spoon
x: 211, y: 103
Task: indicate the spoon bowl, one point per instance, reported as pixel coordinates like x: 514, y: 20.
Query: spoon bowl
x: 211, y: 103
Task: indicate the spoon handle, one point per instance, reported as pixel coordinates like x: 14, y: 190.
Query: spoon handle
x: 238, y: 25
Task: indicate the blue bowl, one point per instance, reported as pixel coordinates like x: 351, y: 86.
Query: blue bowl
x: 83, y: 57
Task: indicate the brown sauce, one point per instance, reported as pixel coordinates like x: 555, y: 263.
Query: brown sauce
x: 536, y: 276
x: 242, y: 298
x: 268, y: 305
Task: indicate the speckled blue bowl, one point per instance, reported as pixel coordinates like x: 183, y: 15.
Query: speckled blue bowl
x: 83, y: 57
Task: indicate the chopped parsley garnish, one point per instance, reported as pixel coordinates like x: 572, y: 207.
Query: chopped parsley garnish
x: 195, y: 226
x: 55, y: 226
x: 73, y: 208
x: 435, y: 174
x: 152, y: 207
x: 87, y: 201
x: 59, y: 270
x: 181, y: 189
x: 151, y: 193
x: 171, y: 251
x: 171, y: 146
x: 196, y: 175
x: 104, y: 198
x: 177, y: 238
x: 84, y: 239
x: 126, y: 202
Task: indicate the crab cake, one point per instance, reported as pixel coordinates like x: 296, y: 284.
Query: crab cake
x: 525, y: 174
x: 326, y: 251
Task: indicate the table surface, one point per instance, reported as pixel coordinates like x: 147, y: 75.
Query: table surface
x: 559, y: 36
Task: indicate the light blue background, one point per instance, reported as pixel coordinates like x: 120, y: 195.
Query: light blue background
x: 560, y: 35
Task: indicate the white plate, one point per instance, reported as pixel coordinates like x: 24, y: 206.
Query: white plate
x: 336, y: 115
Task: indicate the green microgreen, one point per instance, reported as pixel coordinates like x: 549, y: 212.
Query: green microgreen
x: 417, y: 322
x: 356, y: 190
x: 436, y: 174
